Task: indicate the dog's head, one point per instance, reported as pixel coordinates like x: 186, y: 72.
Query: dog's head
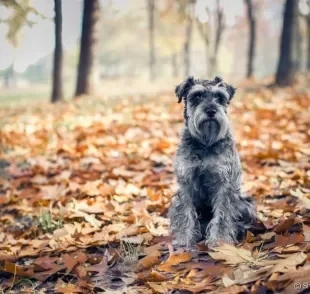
x: 205, y: 107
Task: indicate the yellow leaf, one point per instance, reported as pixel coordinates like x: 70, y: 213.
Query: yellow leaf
x: 231, y: 254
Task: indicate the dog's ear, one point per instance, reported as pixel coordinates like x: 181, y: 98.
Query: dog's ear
x: 230, y: 89
x: 182, y: 90
x: 218, y: 80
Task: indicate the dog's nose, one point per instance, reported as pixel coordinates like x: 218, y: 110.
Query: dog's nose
x: 211, y: 112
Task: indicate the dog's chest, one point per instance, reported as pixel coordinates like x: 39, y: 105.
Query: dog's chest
x: 210, y: 174
x: 213, y: 166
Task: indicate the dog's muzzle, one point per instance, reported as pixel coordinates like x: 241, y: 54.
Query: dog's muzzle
x: 209, y: 126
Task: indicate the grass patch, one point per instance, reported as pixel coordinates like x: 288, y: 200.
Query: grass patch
x: 47, y: 223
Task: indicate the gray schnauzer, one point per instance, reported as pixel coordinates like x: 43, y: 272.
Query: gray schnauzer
x: 209, y: 203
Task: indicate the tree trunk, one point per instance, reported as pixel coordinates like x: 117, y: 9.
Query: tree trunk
x: 151, y: 16
x: 204, y: 30
x: 57, y: 91
x: 187, y: 43
x: 308, y: 54
x: 207, y: 54
x: 285, y: 70
x: 218, y: 37
x: 252, y: 37
x: 8, y: 78
x: 174, y: 64
x: 89, y: 40
x: 297, y: 46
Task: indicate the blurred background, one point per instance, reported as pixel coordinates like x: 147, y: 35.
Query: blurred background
x: 62, y: 49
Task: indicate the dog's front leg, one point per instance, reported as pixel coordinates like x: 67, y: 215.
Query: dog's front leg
x: 184, y: 224
x: 223, y: 226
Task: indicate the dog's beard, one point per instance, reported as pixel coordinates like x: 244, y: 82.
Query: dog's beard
x: 208, y: 130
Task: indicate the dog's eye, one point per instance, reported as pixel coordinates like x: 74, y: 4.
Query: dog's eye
x: 221, y: 99
x: 196, y: 99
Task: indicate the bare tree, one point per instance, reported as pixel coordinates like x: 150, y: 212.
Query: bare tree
x: 204, y: 30
x: 57, y: 90
x: 297, y: 50
x: 219, y: 29
x: 174, y: 64
x: 285, y: 70
x: 19, y: 16
x: 89, y: 41
x: 8, y: 78
x: 151, y: 18
x: 212, y: 37
x: 308, y: 31
x: 306, y: 17
x: 252, y: 37
x: 187, y: 7
x: 187, y: 42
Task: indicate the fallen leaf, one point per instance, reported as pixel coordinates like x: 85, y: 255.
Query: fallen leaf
x: 305, y: 202
x: 62, y: 287
x: 17, y: 270
x: 231, y: 254
x: 284, y: 226
x: 69, y: 261
x: 290, y: 263
x: 174, y: 260
x: 149, y: 261
x: 245, y: 275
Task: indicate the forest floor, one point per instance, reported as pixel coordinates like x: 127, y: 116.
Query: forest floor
x: 85, y: 187
x: 26, y: 94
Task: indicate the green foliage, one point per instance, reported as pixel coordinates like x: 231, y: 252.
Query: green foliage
x: 19, y: 16
x: 46, y: 222
x: 129, y: 252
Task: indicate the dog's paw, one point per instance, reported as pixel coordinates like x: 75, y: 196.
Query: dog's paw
x: 241, y: 234
x: 183, y: 243
x: 178, y: 243
x: 214, y: 241
x: 211, y: 243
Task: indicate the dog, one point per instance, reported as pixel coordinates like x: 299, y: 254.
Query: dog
x: 209, y: 204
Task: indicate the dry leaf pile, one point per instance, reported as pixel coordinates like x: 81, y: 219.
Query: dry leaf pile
x: 85, y: 187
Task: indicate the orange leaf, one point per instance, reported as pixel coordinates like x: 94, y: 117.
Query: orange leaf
x: 62, y: 287
x: 149, y: 261
x: 17, y: 270
x: 174, y: 260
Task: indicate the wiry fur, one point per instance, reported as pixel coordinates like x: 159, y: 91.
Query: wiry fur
x: 209, y: 203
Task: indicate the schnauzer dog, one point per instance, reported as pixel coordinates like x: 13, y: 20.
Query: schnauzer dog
x: 208, y: 203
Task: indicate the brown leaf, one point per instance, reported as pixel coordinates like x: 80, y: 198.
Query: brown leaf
x: 17, y: 270
x: 244, y: 275
x: 62, y: 287
x: 44, y: 263
x: 159, y: 287
x: 205, y: 284
x: 303, y: 197
x: 158, y: 246
x: 306, y: 232
x: 235, y: 289
x: 17, y: 172
x: 69, y: 262
x: 231, y: 254
x: 284, y: 226
x: 81, y: 272
x: 206, y: 269
x: 149, y: 261
x: 47, y: 267
x: 151, y: 276
x: 281, y: 240
x: 290, y: 263
x: 81, y: 257
x: 174, y: 260
x: 100, y: 268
